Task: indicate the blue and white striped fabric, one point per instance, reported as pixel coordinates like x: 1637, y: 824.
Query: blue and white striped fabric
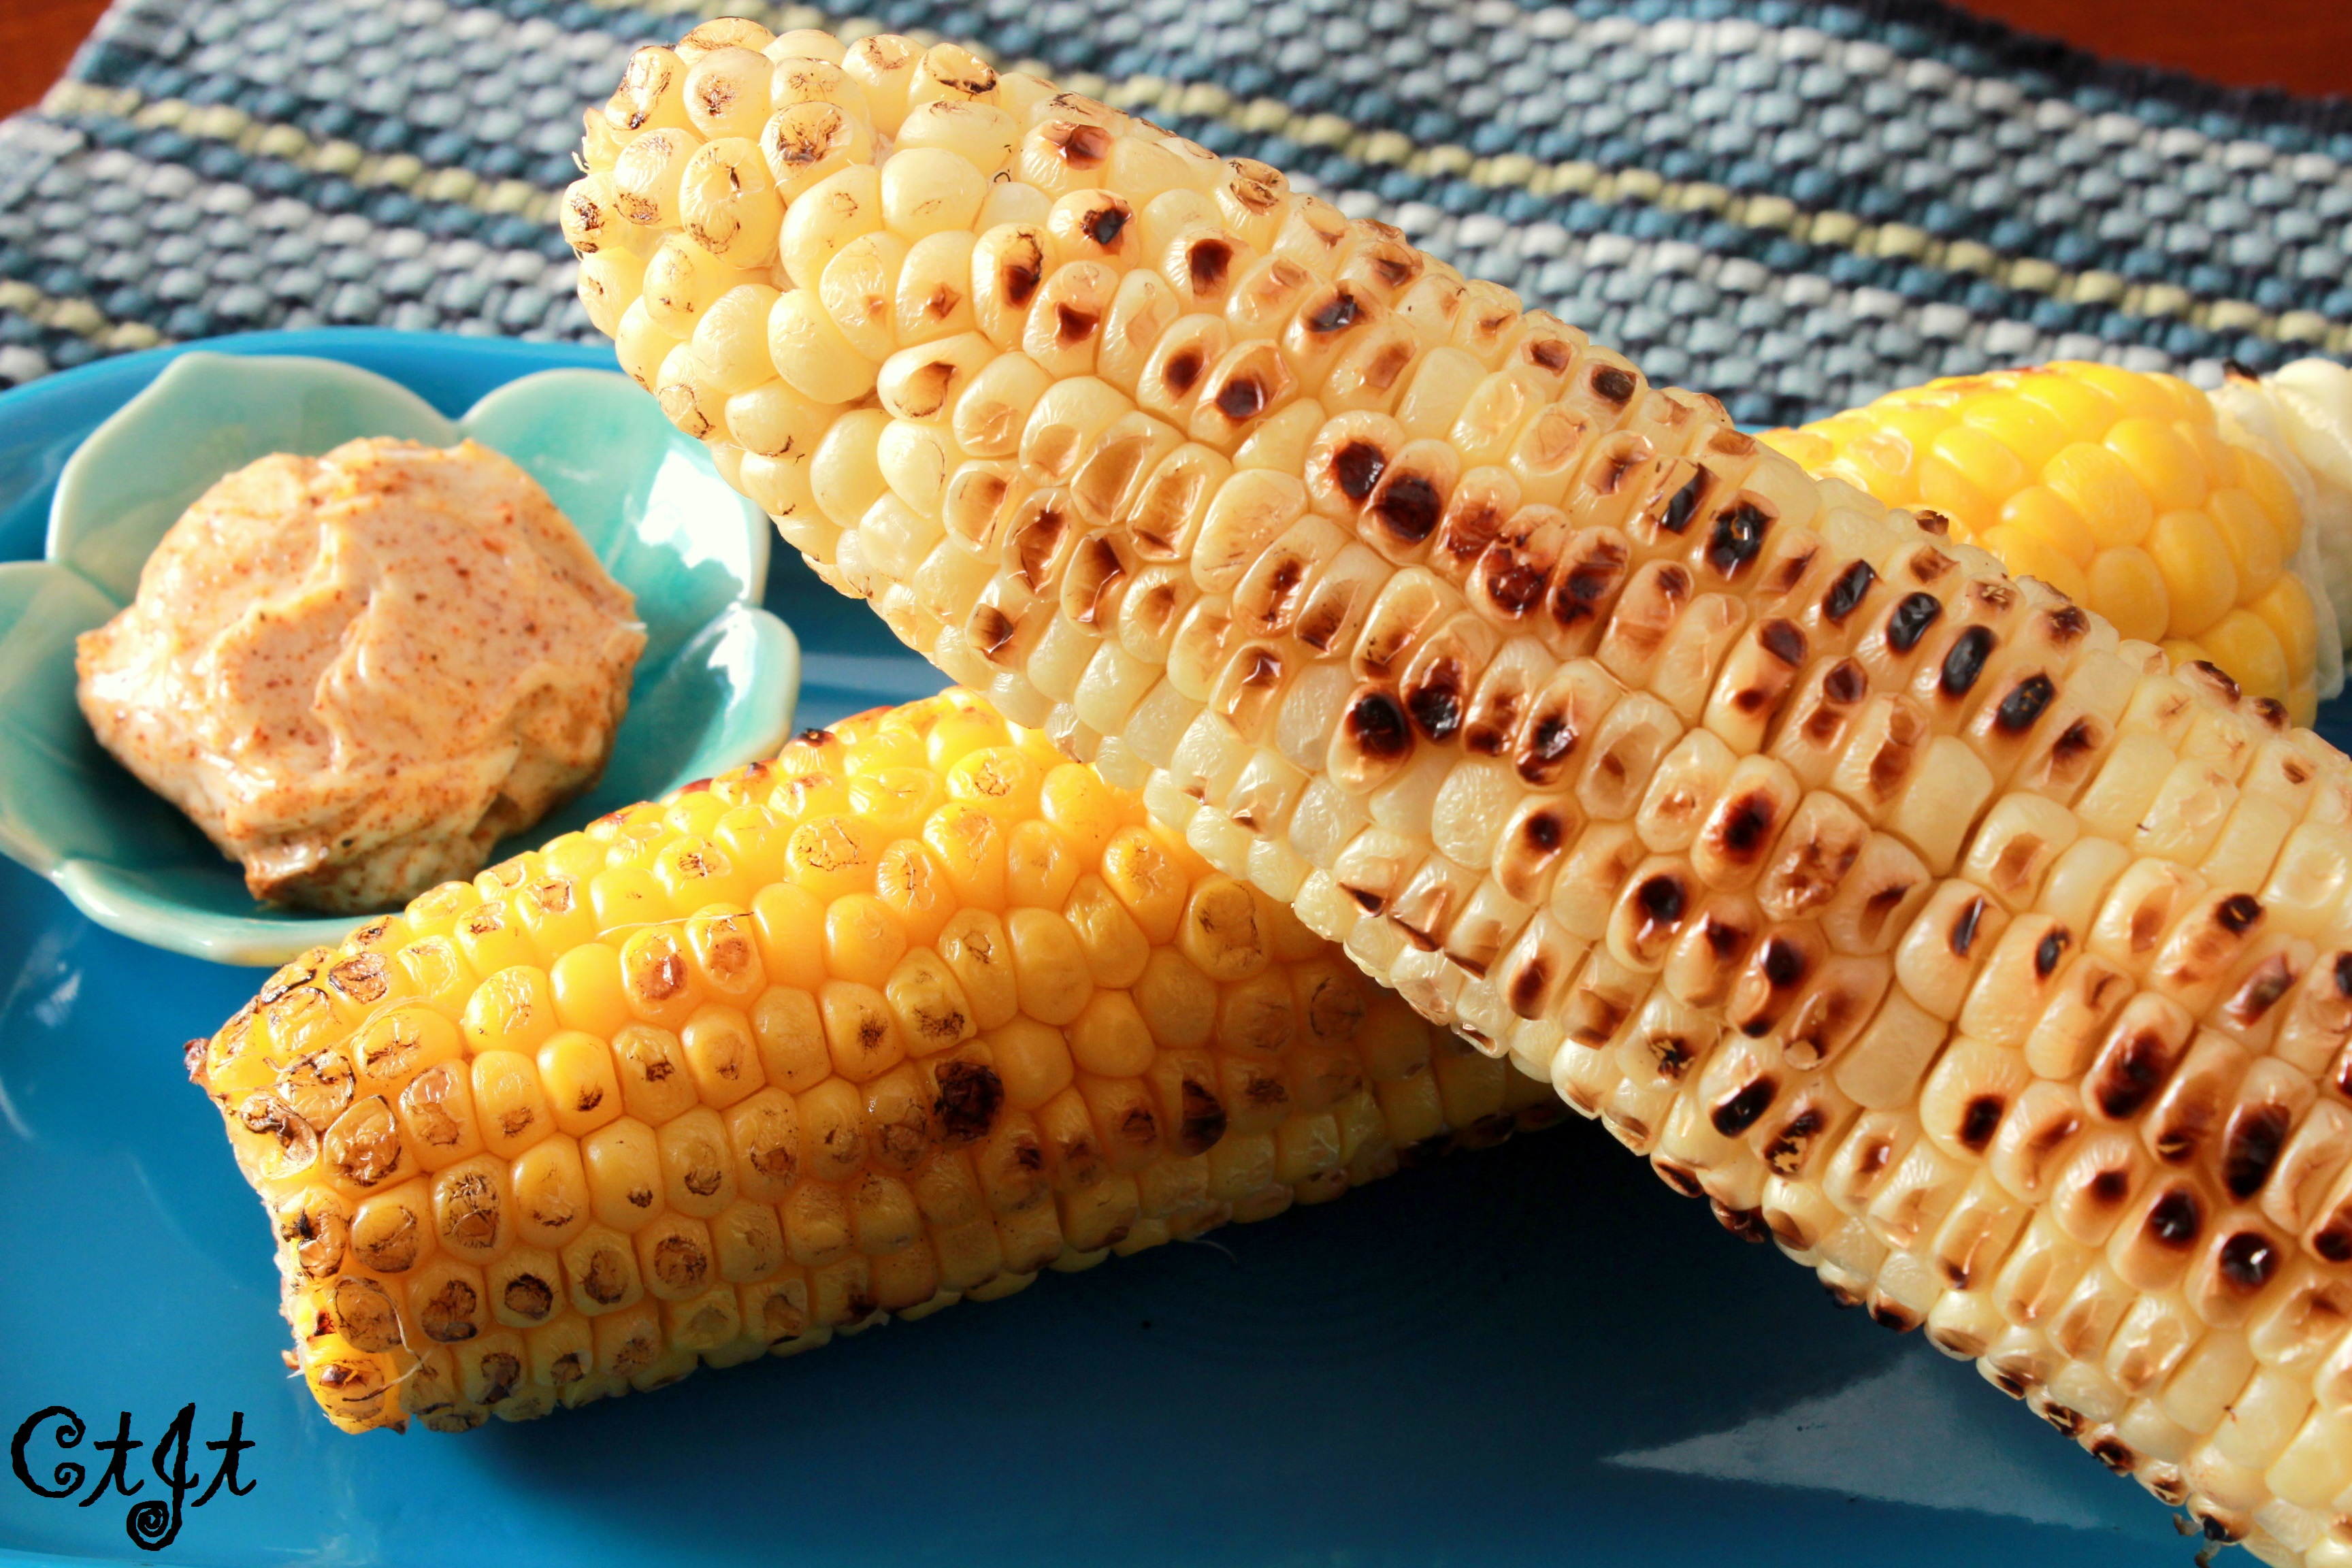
x: 1797, y: 205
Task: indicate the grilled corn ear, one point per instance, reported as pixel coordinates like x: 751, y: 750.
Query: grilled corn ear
x: 905, y: 1017
x: 1992, y: 966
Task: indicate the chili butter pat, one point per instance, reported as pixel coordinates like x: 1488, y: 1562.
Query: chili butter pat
x: 357, y: 672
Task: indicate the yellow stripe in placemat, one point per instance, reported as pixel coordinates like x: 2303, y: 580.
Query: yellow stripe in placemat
x: 72, y: 313
x: 291, y: 144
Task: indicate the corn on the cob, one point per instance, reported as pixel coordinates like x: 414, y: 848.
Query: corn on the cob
x: 2302, y: 415
x: 905, y: 1017
x: 2123, y: 490
x: 1991, y: 966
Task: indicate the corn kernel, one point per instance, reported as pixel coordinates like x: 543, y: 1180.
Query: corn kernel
x: 2042, y: 513
x: 509, y: 1102
x: 966, y: 729
x: 1041, y: 864
x: 492, y: 937
x: 434, y: 912
x: 2028, y: 555
x: 2246, y: 647
x: 584, y: 1090
x: 897, y: 801
x: 860, y: 1030
x: 1031, y: 1060
x: 2286, y: 609
x: 623, y: 1161
x: 693, y: 813
x: 2252, y: 538
x: 1811, y: 449
x: 657, y: 976
x: 2166, y: 466
x: 971, y: 845
x: 1948, y: 489
x: 2102, y: 491
x: 2258, y: 475
x: 2134, y: 395
x: 2028, y: 430
x: 2082, y: 410
x: 723, y: 1054
x: 862, y: 939
x: 1886, y: 461
x: 2200, y: 579
x: 833, y: 855
x: 627, y: 899
x: 694, y: 873
x: 556, y: 916
x: 790, y: 924
x: 513, y: 1009
x: 1982, y: 459
x: 393, y: 1046
x: 999, y: 779
x: 1110, y: 1038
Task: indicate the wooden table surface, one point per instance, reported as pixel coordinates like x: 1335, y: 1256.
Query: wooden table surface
x: 2305, y: 46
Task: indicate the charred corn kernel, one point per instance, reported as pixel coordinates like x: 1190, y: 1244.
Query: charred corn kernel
x: 1420, y: 653
x: 714, y: 1128
x: 2171, y: 518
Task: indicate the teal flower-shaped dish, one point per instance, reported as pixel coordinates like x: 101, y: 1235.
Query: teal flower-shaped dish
x: 715, y: 688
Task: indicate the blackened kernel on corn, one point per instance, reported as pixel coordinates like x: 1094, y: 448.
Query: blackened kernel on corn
x: 1377, y: 722
x: 2135, y: 1068
x: 1736, y: 537
x: 2218, y: 677
x: 1962, y: 935
x: 2022, y: 707
x: 2177, y: 1218
x: 2247, y: 1261
x: 1846, y: 683
x: 1847, y: 591
x: 1909, y: 620
x: 1964, y: 662
x: 2047, y: 952
x: 1783, y: 640
x: 2250, y: 1149
x: 1744, y: 1107
x: 1684, y: 502
x: 1979, y: 1121
x: 1784, y: 963
x: 1407, y: 506
x: 1663, y: 900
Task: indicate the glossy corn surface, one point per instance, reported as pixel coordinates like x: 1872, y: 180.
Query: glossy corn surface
x: 1987, y: 962
x: 903, y: 1018
x: 2123, y: 490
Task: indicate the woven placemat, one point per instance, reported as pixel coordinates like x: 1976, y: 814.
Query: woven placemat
x: 1794, y: 205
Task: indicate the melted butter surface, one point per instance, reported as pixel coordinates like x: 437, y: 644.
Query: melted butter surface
x: 357, y: 672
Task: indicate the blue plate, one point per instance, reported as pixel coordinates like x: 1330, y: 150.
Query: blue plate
x: 713, y: 689
x: 1532, y: 1356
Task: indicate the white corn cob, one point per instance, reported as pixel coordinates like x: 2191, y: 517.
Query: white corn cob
x: 1987, y: 965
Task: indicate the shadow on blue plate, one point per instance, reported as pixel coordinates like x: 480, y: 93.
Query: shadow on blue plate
x: 714, y: 688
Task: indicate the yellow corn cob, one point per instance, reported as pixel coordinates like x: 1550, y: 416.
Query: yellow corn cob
x: 904, y: 1016
x: 1993, y: 967
x: 2122, y: 490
